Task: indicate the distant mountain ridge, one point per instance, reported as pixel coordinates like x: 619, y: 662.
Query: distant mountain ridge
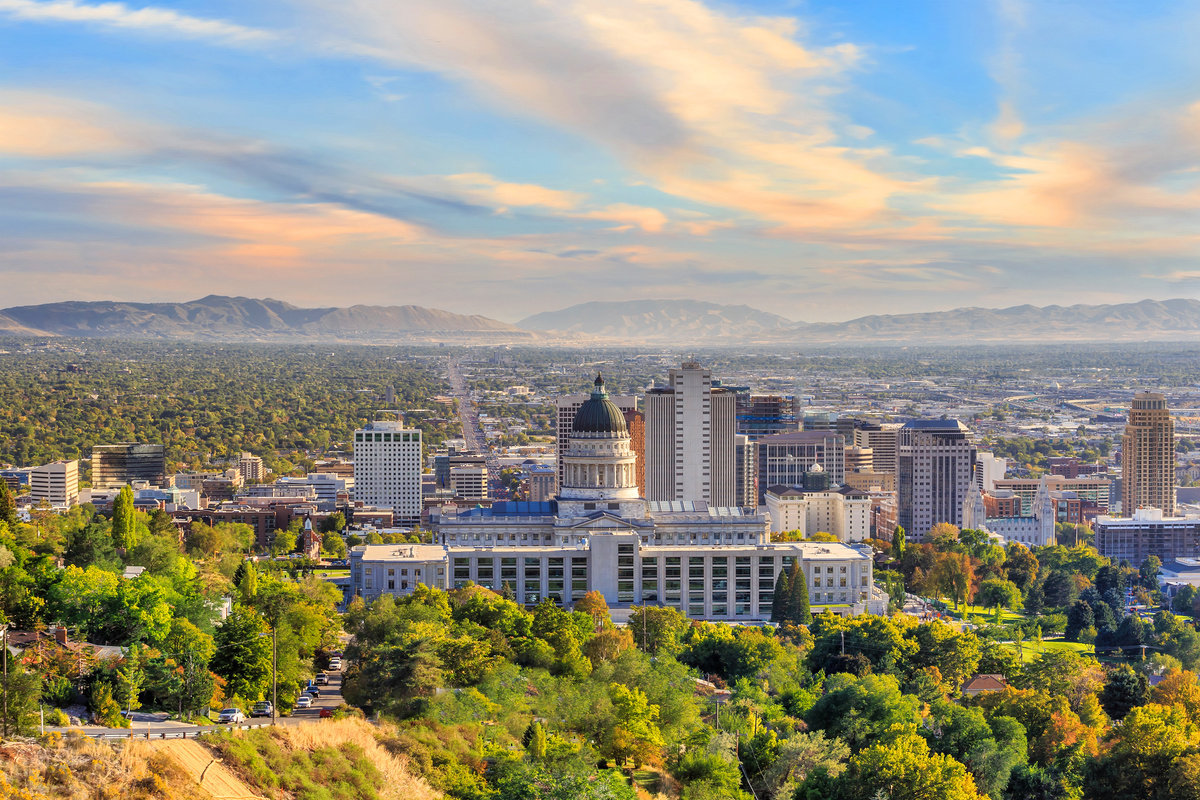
x: 633, y: 322
x: 670, y: 320
x: 240, y: 318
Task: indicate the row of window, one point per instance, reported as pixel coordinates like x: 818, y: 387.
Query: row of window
x: 412, y: 436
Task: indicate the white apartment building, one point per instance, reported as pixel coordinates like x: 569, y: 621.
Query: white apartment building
x: 325, y: 487
x: 57, y: 483
x: 988, y: 469
x: 689, y: 446
x: 250, y: 467
x: 843, y: 512
x: 387, y: 469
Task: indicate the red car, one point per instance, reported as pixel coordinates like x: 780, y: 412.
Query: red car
x: 326, y: 712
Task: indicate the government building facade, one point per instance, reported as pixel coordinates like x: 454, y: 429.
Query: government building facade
x: 599, y: 534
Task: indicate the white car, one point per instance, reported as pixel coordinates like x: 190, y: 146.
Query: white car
x: 335, y: 663
x: 231, y: 716
x: 304, y: 701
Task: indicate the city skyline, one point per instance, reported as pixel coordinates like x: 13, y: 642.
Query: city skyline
x: 817, y: 160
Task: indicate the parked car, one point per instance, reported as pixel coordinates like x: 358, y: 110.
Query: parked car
x: 304, y: 701
x: 322, y: 679
x: 326, y: 712
x: 313, y: 690
x: 231, y: 716
x: 261, y: 709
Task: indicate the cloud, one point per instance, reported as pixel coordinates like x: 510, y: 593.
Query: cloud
x: 720, y: 109
x: 119, y: 15
x: 490, y: 190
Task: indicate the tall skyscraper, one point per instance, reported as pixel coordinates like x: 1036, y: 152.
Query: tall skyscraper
x: 251, y: 468
x: 785, y: 458
x: 881, y: 438
x: 1148, y: 456
x: 936, y: 472
x: 689, y: 439
x: 115, y: 465
x: 387, y: 469
x: 568, y: 405
x: 745, y: 476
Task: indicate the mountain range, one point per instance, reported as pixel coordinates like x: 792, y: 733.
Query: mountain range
x: 661, y: 322
x: 244, y: 319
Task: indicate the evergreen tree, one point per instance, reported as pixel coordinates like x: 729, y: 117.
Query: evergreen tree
x: 782, y: 598
x: 124, y: 533
x: 249, y: 582
x: 898, y: 543
x: 8, y: 506
x: 799, y: 612
x: 507, y: 592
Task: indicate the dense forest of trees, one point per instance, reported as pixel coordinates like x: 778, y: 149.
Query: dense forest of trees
x: 204, y: 401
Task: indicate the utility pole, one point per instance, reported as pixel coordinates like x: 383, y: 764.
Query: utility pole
x: 843, y: 643
x: 4, y: 653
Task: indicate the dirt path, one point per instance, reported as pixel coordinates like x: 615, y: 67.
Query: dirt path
x: 205, y: 770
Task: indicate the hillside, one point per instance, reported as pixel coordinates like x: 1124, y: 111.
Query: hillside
x: 245, y: 319
x: 334, y: 758
x: 1147, y: 319
x: 669, y: 320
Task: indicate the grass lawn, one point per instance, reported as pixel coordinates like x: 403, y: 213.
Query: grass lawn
x: 647, y: 779
x: 986, y: 613
x: 1030, y: 651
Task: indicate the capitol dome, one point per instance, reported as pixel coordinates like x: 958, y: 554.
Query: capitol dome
x: 599, y: 415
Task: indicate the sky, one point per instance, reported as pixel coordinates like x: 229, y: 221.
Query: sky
x: 819, y: 160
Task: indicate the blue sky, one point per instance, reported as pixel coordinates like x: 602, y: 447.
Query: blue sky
x: 821, y: 160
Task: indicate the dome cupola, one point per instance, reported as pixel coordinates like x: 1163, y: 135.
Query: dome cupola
x: 599, y: 415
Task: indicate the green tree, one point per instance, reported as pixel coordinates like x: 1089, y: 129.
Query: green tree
x: 799, y: 612
x: 333, y: 545
x: 997, y: 593
x: 1021, y: 566
x: 8, y: 506
x: 865, y: 710
x: 657, y: 629
x: 243, y: 654
x: 1152, y: 754
x: 901, y: 768
x: 24, y: 691
x: 247, y: 582
x: 955, y: 653
x: 898, y: 543
x: 1126, y: 689
x: 636, y: 735
x: 334, y: 523
x: 130, y: 678
x: 124, y: 520
x: 285, y: 542
x: 105, y: 709
x: 89, y: 544
x: 535, y: 741
x: 781, y: 598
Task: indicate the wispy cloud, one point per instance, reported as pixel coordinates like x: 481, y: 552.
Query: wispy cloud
x: 119, y: 15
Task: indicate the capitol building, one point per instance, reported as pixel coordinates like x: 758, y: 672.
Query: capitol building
x: 599, y: 534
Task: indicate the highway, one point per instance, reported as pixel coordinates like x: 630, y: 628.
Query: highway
x: 468, y: 416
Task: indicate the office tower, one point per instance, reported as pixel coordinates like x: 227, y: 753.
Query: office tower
x: 860, y: 459
x: 57, y: 483
x: 387, y: 469
x: 936, y: 472
x: 820, y: 421
x: 745, y: 475
x: 115, y: 465
x: 765, y: 414
x: 785, y: 458
x: 988, y: 470
x: 635, y: 421
x: 251, y: 468
x: 1148, y: 456
x: 389, y: 395
x: 881, y: 438
x: 568, y: 405
x: 689, y: 439
x: 469, y: 481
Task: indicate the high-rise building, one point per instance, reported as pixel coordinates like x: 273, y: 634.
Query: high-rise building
x: 387, y: 469
x: 745, y: 471
x: 635, y: 421
x: 115, y: 465
x: 251, y: 468
x: 57, y: 483
x: 541, y: 484
x: 1148, y: 456
x: 689, y: 439
x: 989, y: 469
x: 785, y: 458
x: 936, y: 473
x: 860, y: 459
x: 567, y: 406
x: 765, y: 414
x: 881, y: 438
x: 469, y: 481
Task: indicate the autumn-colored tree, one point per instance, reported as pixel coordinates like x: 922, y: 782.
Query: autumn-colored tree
x: 955, y: 576
x: 608, y: 644
x: 1178, y: 687
x: 594, y: 605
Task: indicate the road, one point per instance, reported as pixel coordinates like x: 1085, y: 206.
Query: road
x: 156, y: 725
x: 468, y: 417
